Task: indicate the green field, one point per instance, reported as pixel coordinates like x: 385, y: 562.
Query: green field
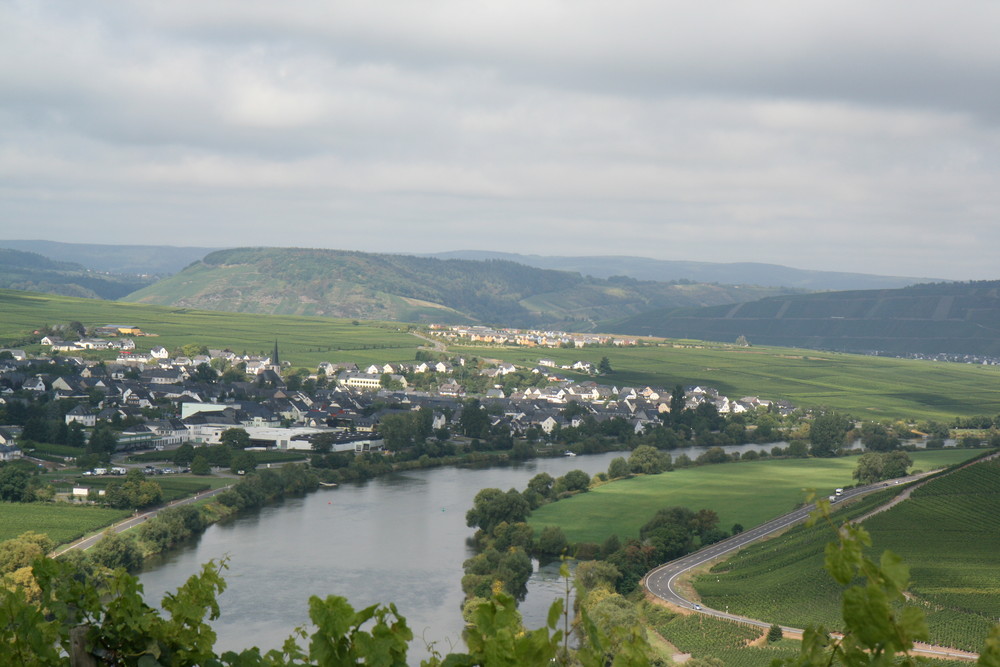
x: 306, y: 341
x: 948, y: 532
x: 748, y: 493
x: 60, y: 521
x: 867, y: 387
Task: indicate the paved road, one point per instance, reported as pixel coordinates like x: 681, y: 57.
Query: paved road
x: 662, y: 581
x: 87, y: 542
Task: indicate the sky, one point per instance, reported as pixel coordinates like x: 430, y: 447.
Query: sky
x: 849, y: 135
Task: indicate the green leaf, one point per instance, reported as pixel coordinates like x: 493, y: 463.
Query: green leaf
x: 555, y: 613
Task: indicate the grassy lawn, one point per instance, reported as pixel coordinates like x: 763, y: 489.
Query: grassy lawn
x: 867, y: 387
x: 748, y: 493
x: 60, y: 521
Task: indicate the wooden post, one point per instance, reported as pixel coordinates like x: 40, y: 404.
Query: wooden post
x: 78, y: 654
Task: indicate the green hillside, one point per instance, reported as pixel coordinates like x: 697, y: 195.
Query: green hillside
x: 32, y: 272
x: 334, y: 283
x: 304, y: 341
x: 948, y: 533
x: 950, y: 318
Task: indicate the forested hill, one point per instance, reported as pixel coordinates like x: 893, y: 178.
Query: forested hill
x: 32, y: 272
x: 334, y: 283
x: 940, y: 318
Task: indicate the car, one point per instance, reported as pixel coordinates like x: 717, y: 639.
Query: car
x: 698, y: 607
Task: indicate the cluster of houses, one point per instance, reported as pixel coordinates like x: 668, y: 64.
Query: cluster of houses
x: 349, y: 407
x: 525, y: 338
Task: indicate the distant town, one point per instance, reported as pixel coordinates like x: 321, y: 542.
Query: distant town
x: 194, y: 395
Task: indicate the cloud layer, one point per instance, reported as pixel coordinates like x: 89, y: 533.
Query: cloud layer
x: 850, y: 136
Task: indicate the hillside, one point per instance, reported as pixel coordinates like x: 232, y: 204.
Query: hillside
x: 941, y: 318
x: 953, y: 562
x: 156, y: 260
x: 32, y: 272
x: 334, y: 283
x: 736, y: 273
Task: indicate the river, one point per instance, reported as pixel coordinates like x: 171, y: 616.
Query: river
x: 400, y: 538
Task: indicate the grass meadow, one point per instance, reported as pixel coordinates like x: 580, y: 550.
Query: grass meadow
x: 748, y: 493
x: 948, y: 533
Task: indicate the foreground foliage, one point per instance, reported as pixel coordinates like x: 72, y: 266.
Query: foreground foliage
x: 104, y: 616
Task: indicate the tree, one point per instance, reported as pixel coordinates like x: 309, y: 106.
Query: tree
x: 242, y: 462
x: 648, y: 460
x: 184, y: 455
x: 492, y: 506
x: 205, y: 373
x: 575, y: 480
x: 877, y: 438
x: 618, y: 468
x: 14, y: 481
x: 878, y: 466
x: 677, y: 403
x: 552, y: 541
x: 774, y: 633
x: 604, y: 367
x: 827, y: 433
x: 200, y: 465
x: 115, y: 550
x: 235, y: 438
x: 474, y: 420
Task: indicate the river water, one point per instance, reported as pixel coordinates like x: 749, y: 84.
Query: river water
x: 400, y: 538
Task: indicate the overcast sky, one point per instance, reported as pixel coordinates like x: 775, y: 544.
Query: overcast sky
x: 846, y: 135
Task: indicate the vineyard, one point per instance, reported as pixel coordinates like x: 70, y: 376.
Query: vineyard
x: 948, y: 532
x: 704, y: 636
x: 61, y: 522
x: 955, y: 563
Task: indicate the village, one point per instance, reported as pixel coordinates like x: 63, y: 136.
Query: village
x: 161, y: 400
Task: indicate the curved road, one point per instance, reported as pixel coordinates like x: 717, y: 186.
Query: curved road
x: 87, y: 542
x: 662, y: 581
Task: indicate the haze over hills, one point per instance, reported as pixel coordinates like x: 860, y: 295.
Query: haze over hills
x: 155, y: 260
x: 339, y: 283
x: 740, y: 273
x: 940, y: 318
x: 32, y: 272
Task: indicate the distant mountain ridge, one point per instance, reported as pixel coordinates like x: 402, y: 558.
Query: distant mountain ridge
x: 154, y: 260
x: 337, y: 283
x: 28, y: 271
x: 939, y: 318
x: 739, y: 273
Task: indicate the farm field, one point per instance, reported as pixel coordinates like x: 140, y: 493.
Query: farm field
x: 306, y: 341
x: 60, y: 521
x: 747, y: 493
x: 867, y: 387
x: 948, y: 532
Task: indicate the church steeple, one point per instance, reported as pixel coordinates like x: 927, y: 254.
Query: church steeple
x: 275, y: 360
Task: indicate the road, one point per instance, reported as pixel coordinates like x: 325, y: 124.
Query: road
x: 662, y: 581
x: 120, y: 527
